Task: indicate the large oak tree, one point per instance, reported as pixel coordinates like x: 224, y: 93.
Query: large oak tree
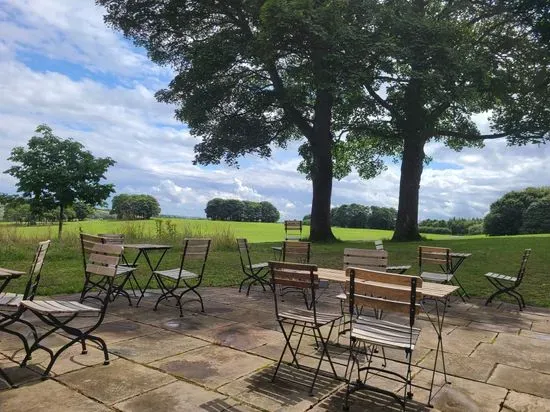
x: 434, y: 64
x: 254, y: 74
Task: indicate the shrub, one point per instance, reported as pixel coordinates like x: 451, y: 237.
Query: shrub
x: 435, y: 230
x: 476, y: 229
x: 536, y: 219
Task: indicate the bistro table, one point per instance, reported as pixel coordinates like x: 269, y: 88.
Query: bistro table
x: 457, y: 258
x: 143, y: 250
x: 436, y: 292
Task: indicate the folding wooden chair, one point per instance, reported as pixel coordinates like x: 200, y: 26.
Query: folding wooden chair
x: 509, y: 284
x: 254, y: 273
x: 91, y: 282
x: 301, y: 276
x: 118, y: 239
x: 58, y: 314
x: 391, y: 293
x: 10, y: 303
x: 365, y: 259
x: 193, y: 249
x: 439, y: 256
x: 378, y: 245
x: 293, y: 229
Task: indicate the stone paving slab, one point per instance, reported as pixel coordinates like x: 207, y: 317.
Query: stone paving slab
x: 522, y: 402
x: 223, y: 360
x: 176, y: 396
x: 521, y: 380
x: 211, y: 365
x: 149, y: 348
x: 47, y: 396
x: 115, y: 382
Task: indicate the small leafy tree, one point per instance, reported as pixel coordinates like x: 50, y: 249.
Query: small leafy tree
x: 56, y: 173
x: 536, y: 218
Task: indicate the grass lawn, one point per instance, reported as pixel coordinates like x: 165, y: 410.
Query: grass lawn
x: 253, y: 231
x: 63, y: 268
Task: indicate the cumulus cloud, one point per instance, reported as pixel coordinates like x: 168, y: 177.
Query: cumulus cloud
x: 100, y: 91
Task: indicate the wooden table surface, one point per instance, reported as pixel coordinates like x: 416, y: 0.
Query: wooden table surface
x: 429, y: 289
x: 149, y: 246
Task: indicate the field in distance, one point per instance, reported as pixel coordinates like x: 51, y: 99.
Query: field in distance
x: 255, y: 232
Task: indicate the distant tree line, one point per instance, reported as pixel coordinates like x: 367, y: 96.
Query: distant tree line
x: 132, y: 207
x: 241, y: 210
x: 454, y: 226
x: 360, y: 216
x: 517, y: 212
x: 19, y: 210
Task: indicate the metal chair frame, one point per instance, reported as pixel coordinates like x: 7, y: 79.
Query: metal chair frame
x: 103, y: 262
x: 254, y: 274
x: 302, y: 276
x: 192, y: 249
x: 381, y: 297
x: 90, y: 282
x: 11, y: 318
x: 507, y: 284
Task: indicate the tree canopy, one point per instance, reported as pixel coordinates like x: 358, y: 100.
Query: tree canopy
x: 135, y: 206
x: 518, y: 212
x: 354, y: 80
x: 55, y: 173
x: 241, y: 211
x: 251, y: 75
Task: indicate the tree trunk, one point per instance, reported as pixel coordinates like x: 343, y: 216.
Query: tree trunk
x: 321, y: 169
x: 60, y: 227
x: 406, y: 227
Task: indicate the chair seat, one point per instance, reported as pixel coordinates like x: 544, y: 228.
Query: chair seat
x: 10, y: 300
x: 124, y: 269
x: 501, y: 277
x: 58, y: 307
x: 384, y: 333
x: 401, y: 268
x: 175, y: 274
x: 303, y: 315
x: 436, y: 277
x: 260, y: 265
x: 342, y: 296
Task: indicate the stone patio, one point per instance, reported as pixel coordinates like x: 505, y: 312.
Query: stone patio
x: 498, y: 359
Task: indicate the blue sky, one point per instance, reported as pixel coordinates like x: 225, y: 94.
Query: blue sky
x: 60, y: 65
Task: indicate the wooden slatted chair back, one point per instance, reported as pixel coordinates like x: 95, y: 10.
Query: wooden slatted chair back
x: 295, y: 275
x: 440, y: 256
x: 366, y: 259
x: 389, y: 292
x: 87, y: 244
x: 195, y: 249
x: 523, y: 266
x: 36, y: 270
x: 244, y: 253
x: 293, y: 229
x: 103, y: 259
x: 378, y: 245
x: 112, y: 238
x: 295, y: 251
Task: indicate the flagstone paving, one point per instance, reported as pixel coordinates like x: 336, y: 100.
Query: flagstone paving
x: 498, y: 360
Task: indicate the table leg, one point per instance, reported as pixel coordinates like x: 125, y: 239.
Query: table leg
x: 153, y: 269
x: 437, y: 323
x: 4, y: 284
x: 454, y: 267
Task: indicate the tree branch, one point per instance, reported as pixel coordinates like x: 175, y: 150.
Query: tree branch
x: 379, y: 100
x: 465, y: 136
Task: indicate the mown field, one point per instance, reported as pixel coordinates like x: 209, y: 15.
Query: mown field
x: 63, y: 270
